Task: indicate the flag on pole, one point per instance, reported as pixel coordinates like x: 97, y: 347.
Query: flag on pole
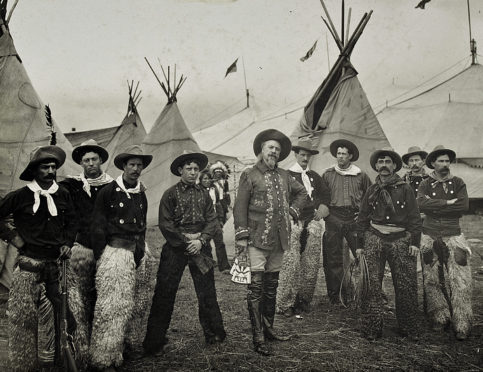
x: 422, y: 4
x: 309, y: 53
x: 232, y: 68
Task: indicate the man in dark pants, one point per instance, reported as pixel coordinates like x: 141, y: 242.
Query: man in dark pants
x: 347, y: 185
x: 188, y: 221
x: 45, y: 219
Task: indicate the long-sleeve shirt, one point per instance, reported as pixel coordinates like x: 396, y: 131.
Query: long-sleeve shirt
x: 442, y: 219
x: 84, y: 207
x: 406, y: 213
x: 414, y: 180
x: 345, y: 190
x: 117, y: 216
x: 261, y: 211
x: 42, y: 233
x: 320, y: 193
x: 186, y: 209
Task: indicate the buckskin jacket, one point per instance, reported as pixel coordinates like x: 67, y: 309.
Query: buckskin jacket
x: 262, y: 211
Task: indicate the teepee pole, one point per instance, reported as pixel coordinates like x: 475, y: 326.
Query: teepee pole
x: 7, y: 21
x: 156, y: 76
x: 330, y: 21
x: 246, y: 87
x: 348, y: 26
x: 342, y: 23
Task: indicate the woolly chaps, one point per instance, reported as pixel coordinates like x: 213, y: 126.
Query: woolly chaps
x: 143, y: 298
x: 81, y: 294
x: 289, y: 273
x: 404, y: 276
x: 115, y: 284
x: 457, y: 282
x: 309, y: 261
x: 23, y: 321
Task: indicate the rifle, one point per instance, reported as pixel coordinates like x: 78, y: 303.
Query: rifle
x: 66, y: 345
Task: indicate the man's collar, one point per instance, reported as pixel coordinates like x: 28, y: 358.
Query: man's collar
x: 185, y: 186
x: 264, y: 167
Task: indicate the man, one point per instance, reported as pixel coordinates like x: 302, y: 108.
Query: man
x: 414, y: 159
x: 262, y: 217
x: 298, y: 279
x: 218, y: 171
x: 83, y: 190
x: 447, y: 272
x: 45, y: 219
x: 117, y: 233
x: 389, y: 226
x: 188, y: 221
x: 347, y: 185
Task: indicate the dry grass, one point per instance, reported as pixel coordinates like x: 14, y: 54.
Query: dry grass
x: 328, y: 337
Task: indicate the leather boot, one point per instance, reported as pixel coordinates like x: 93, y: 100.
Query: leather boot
x: 270, y: 284
x: 254, y: 299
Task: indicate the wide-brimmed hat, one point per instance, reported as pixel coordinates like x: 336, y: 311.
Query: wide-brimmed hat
x: 414, y: 150
x: 39, y: 155
x: 386, y: 151
x: 134, y: 151
x: 348, y: 145
x: 275, y: 135
x: 89, y: 146
x: 437, y: 151
x: 305, y: 143
x: 197, y: 157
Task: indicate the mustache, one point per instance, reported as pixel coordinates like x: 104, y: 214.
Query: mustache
x: 415, y: 166
x: 50, y: 176
x: 445, y: 168
x: 384, y: 168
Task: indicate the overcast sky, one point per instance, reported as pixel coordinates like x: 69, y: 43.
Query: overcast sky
x: 79, y: 54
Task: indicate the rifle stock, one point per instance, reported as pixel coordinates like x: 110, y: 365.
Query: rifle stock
x: 66, y: 347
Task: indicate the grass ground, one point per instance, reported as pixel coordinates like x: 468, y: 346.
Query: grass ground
x: 328, y: 337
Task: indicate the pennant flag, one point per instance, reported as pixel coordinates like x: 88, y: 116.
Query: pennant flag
x: 422, y: 4
x: 232, y: 68
x: 309, y: 53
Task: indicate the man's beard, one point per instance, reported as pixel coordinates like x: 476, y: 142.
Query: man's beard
x: 271, y: 162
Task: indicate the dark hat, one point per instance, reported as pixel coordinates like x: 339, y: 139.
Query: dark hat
x: 198, y: 157
x: 386, y: 151
x: 42, y: 154
x: 275, y: 135
x: 134, y: 151
x: 437, y: 151
x: 89, y: 146
x: 305, y: 143
x: 414, y: 150
x: 348, y: 145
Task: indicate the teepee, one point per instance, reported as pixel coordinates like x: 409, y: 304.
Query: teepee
x: 130, y: 132
x: 167, y: 139
x: 23, y: 123
x: 340, y: 109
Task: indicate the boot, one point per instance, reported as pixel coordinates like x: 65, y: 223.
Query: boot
x: 254, y: 298
x: 270, y: 284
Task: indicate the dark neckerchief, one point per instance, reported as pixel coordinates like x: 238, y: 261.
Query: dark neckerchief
x: 380, y: 193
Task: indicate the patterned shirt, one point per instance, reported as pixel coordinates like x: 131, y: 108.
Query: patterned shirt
x: 414, y: 180
x: 186, y: 208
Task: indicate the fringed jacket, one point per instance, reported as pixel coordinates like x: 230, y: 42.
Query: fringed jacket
x: 262, y: 211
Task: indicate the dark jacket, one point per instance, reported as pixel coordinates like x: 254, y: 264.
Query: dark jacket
x: 414, y: 180
x: 320, y: 192
x: 261, y: 211
x: 42, y: 233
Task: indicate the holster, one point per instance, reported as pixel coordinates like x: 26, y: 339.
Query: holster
x: 136, y: 246
x: 203, y: 262
x: 30, y: 264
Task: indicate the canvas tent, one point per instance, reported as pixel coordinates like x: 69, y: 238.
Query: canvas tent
x: 449, y: 113
x: 22, y: 117
x: 167, y: 139
x: 102, y: 136
x: 340, y: 109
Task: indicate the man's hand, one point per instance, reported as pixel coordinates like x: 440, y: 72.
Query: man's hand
x: 64, y: 252
x: 194, y: 247
x: 413, y: 251
x: 17, y: 241
x: 452, y: 201
x: 321, y: 212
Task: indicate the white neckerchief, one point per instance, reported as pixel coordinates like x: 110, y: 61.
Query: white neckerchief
x: 352, y: 170
x: 37, y: 190
x: 297, y: 168
x: 135, y: 190
x: 103, y: 179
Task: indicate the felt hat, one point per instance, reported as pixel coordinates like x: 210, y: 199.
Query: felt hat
x: 437, y: 151
x: 134, y: 151
x: 414, y: 150
x: 39, y: 155
x: 347, y: 144
x: 305, y: 143
x: 275, y: 135
x: 386, y: 151
x: 198, y: 157
x: 89, y: 146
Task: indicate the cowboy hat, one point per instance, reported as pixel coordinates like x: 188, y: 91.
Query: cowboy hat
x: 304, y: 143
x: 89, y: 146
x: 414, y: 150
x: 386, y: 151
x: 437, y: 151
x: 197, y: 157
x: 275, y: 135
x: 39, y: 155
x: 134, y: 151
x: 348, y: 145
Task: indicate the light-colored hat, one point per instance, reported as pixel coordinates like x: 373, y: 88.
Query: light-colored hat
x: 134, y: 151
x: 89, y: 146
x: 414, y: 150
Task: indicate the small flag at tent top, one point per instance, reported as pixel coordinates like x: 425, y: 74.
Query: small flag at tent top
x: 232, y: 68
x: 422, y: 4
x: 309, y: 53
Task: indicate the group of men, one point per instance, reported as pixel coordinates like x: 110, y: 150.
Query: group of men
x: 99, y: 224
